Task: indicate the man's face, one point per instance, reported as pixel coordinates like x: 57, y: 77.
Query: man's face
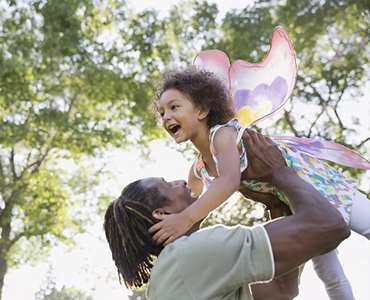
x: 176, y: 191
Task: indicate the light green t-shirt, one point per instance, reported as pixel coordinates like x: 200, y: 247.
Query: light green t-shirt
x: 213, y: 264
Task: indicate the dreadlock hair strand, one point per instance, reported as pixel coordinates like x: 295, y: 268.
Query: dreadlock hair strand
x: 126, y: 225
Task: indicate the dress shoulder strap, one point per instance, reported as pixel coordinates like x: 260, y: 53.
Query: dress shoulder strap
x: 195, y: 169
x: 240, y: 134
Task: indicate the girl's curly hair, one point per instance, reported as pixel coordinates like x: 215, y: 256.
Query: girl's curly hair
x: 203, y: 88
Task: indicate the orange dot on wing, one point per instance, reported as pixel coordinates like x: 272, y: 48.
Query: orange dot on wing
x: 246, y: 115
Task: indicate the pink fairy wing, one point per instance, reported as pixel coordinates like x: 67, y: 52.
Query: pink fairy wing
x: 215, y: 61
x: 326, y: 150
x: 260, y: 90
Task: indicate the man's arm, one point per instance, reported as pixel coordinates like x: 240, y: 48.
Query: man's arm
x: 315, y: 227
x: 272, y: 203
x: 284, y: 287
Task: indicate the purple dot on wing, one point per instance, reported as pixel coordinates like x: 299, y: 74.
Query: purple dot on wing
x: 240, y: 98
x: 276, y: 93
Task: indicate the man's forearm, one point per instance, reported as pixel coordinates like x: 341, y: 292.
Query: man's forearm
x: 300, y: 193
x: 315, y: 227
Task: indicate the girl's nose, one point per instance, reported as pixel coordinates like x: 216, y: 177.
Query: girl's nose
x: 166, y: 115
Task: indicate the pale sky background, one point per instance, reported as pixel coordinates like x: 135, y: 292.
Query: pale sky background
x: 88, y: 266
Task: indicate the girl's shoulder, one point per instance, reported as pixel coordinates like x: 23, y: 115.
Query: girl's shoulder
x: 232, y: 123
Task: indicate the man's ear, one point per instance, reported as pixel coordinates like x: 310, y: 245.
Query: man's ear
x: 203, y: 113
x: 162, y: 211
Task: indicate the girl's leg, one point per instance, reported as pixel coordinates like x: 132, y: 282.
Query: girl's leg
x: 360, y: 216
x: 329, y: 269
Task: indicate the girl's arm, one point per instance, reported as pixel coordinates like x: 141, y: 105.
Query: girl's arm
x: 228, y: 180
x: 175, y: 225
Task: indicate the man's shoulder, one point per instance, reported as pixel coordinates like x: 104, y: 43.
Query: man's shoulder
x: 214, y: 239
x: 215, y: 233
x: 234, y: 252
x: 219, y: 231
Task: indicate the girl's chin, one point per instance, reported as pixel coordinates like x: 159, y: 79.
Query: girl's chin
x: 179, y: 140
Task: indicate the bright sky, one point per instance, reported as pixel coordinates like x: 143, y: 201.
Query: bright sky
x: 89, y: 267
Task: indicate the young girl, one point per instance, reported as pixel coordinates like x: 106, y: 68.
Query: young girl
x: 194, y: 105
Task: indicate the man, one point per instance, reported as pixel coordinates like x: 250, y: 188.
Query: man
x: 222, y: 262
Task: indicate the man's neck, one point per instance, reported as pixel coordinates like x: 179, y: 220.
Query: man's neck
x: 193, y: 229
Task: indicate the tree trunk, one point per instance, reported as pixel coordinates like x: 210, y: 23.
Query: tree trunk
x: 3, y: 268
x: 5, y: 245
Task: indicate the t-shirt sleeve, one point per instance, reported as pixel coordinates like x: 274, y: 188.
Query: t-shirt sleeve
x: 219, y: 260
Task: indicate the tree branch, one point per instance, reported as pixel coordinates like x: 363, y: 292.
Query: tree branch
x: 12, y: 164
x: 28, y: 157
x: 73, y: 100
x: 314, y: 122
x: 290, y: 123
x: 38, y: 162
x: 336, y: 108
x: 15, y: 239
x: 2, y: 176
x: 363, y: 142
x: 1, y: 167
x: 339, y: 119
x: 14, y: 193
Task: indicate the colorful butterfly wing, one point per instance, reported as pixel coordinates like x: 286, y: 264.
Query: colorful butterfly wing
x: 215, y: 61
x: 326, y: 150
x: 260, y: 90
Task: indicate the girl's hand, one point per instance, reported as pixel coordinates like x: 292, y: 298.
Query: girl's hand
x: 170, y: 228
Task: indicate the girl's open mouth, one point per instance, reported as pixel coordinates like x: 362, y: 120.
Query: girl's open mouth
x: 175, y: 129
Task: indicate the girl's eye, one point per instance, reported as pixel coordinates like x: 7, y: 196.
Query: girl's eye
x: 174, y: 107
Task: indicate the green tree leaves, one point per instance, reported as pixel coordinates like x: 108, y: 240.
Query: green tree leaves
x: 76, y: 78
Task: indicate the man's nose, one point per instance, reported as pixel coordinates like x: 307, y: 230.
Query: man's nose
x: 180, y: 182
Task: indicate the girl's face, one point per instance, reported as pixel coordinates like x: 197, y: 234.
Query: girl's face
x: 180, y: 117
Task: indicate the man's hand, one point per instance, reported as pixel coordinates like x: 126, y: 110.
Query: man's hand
x: 264, y: 157
x: 273, y: 204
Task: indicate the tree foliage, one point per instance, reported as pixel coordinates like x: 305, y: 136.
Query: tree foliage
x: 76, y: 77
x: 48, y: 290
x: 66, y: 94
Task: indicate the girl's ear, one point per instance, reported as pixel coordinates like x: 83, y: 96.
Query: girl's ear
x: 203, y: 113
